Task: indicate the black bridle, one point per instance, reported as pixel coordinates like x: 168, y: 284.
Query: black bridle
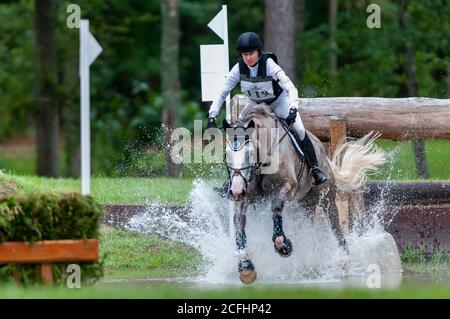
x: 233, y: 171
x: 255, y: 168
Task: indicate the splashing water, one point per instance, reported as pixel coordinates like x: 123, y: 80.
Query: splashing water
x: 316, y: 257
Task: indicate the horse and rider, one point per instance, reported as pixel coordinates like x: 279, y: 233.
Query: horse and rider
x: 262, y: 80
x: 272, y: 104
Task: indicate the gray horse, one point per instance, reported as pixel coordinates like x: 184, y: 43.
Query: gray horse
x: 265, y: 163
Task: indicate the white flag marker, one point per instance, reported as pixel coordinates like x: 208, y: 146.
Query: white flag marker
x: 216, y: 24
x: 89, y: 51
x: 213, y: 72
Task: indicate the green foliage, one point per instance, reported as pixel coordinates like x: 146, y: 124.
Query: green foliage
x: 38, y: 217
x: 46, y: 216
x: 126, y: 103
x: 418, y: 256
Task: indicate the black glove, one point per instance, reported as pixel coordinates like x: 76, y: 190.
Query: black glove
x: 211, y: 123
x: 291, y: 117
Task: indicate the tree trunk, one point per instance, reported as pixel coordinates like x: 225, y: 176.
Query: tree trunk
x: 279, y: 33
x: 299, y: 29
x: 333, y: 45
x: 47, y: 124
x: 170, y: 75
x: 448, y: 85
x: 412, y: 86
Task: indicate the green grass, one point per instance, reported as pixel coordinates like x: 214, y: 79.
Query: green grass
x: 155, y: 290
x: 401, y: 164
x: 129, y: 254
x: 417, y: 256
x: 112, y: 190
x: 19, y: 165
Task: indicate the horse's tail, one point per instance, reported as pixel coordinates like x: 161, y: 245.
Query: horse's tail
x: 353, y: 160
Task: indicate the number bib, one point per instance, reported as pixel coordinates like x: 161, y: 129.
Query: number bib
x: 258, y: 89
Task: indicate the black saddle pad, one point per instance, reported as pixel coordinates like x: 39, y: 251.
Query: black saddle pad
x: 294, y: 138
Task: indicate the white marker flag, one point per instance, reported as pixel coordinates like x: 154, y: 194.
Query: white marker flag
x: 214, y: 60
x: 216, y: 24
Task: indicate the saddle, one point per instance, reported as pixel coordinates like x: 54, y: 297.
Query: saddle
x: 294, y: 138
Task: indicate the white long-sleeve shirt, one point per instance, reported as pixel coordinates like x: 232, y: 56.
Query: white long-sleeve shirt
x: 272, y: 69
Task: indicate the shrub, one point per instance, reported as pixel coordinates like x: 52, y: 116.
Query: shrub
x: 38, y: 217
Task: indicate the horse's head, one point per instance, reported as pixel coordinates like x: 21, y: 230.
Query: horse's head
x: 240, y: 157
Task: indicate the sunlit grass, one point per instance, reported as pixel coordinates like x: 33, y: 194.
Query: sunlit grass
x: 112, y: 190
x: 401, y: 164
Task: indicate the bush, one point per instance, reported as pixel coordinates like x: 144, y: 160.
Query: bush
x: 48, y: 217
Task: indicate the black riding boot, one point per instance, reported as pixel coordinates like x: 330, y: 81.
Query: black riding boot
x: 311, y: 159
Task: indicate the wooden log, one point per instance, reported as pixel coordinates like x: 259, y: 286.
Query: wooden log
x: 408, y: 193
x: 49, y: 251
x: 395, y: 118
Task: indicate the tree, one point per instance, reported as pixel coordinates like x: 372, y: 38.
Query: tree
x: 170, y: 75
x: 411, y: 87
x: 333, y: 44
x: 299, y: 7
x: 47, y: 118
x: 279, y: 33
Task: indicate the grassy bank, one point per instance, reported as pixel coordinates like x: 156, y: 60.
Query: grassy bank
x: 129, y: 254
x: 111, y: 190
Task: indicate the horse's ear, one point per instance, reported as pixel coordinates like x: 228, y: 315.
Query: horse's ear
x: 225, y: 124
x: 251, y: 124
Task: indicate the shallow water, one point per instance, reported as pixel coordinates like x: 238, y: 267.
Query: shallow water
x: 417, y: 277
x: 316, y: 259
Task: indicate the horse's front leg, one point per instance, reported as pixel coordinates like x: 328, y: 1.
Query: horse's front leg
x: 247, y: 272
x: 282, y: 245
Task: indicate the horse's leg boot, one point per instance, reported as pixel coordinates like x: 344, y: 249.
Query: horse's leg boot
x: 311, y: 159
x: 286, y: 250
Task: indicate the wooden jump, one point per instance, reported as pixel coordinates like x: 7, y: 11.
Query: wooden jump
x: 47, y: 252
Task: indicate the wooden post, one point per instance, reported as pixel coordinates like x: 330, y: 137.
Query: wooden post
x: 46, y: 273
x: 338, y: 133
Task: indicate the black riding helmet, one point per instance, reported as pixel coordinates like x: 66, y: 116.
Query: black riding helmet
x: 248, y: 41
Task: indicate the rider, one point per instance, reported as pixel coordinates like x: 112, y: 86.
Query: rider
x: 263, y: 81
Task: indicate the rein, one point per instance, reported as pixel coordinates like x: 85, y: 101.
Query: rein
x: 256, y: 168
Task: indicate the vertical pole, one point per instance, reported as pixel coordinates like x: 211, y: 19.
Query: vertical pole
x: 46, y: 273
x: 85, y: 112
x: 338, y: 133
x: 226, y: 57
x: 227, y: 101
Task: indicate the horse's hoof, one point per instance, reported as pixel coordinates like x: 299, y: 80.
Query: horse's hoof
x: 248, y: 277
x: 247, y: 272
x: 286, y: 248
